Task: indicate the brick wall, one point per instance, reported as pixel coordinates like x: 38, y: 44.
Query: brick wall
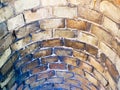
x: 60, y: 44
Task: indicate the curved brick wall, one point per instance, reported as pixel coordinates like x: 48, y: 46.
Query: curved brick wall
x: 59, y: 44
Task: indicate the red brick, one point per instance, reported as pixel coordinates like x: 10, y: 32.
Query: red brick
x: 30, y: 79
x: 43, y: 52
x: 47, y: 74
x: 76, y: 24
x: 49, y: 59
x: 74, y: 44
x: 39, y: 69
x: 59, y: 51
x: 57, y: 66
x: 52, y: 43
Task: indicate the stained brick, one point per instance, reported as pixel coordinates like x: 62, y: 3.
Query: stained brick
x: 22, y: 5
x: 52, y: 42
x: 66, y: 33
x: 52, y: 23
x: 59, y: 51
x: 64, y: 74
x: 102, y: 34
x: 39, y: 69
x: 58, y: 66
x: 89, y: 14
x: 49, y: 59
x: 47, y: 75
x: 3, y: 30
x: 37, y: 36
x: 110, y: 10
x: 91, y: 49
x: 80, y: 55
x: 30, y: 66
x: 55, y: 80
x: 43, y: 52
x: 24, y: 31
x: 41, y: 13
x: 15, y: 22
x: 30, y: 79
x: 76, y: 24
x: 6, y: 13
x: 65, y: 12
x: 74, y: 44
x: 53, y: 2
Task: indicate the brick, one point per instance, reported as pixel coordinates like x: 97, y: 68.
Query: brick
x: 62, y: 85
x: 66, y: 33
x: 6, y: 13
x: 52, y: 23
x: 48, y: 74
x: 43, y: 52
x: 91, y: 49
x: 55, y: 80
x: 6, y: 42
x: 65, y: 12
x: 74, y: 44
x: 76, y: 24
x: 96, y: 64
x: 75, y: 88
x: 53, y: 2
x: 112, y: 69
x: 88, y: 38
x: 37, y: 83
x: 30, y: 65
x: 21, y: 43
x: 41, y: 13
x: 91, y: 78
x: 88, y: 14
x: 58, y: 66
x: 64, y: 74
x: 30, y: 80
x: 86, y: 67
x: 20, y: 87
x: 102, y: 35
x: 39, y: 69
x: 80, y: 55
x: 79, y: 2
x: 71, y: 61
x: 22, y: 5
x: 100, y: 77
x: 4, y: 57
x: 111, y: 26
x: 108, y: 51
x: 73, y: 82
x: 117, y: 63
x: 110, y: 10
x: 41, y: 35
x: 28, y: 49
x: 59, y: 51
x: 52, y: 43
x: 3, y: 30
x: 29, y: 28
x: 49, y: 59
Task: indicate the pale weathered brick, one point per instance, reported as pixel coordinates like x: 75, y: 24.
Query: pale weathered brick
x: 64, y: 33
x: 6, y: 13
x: 4, y: 57
x: 21, y: 5
x: 76, y: 24
x: 110, y: 11
x: 89, y: 14
x: 41, y: 13
x: 101, y: 34
x: 88, y: 38
x: 65, y: 12
x: 52, y: 23
x: 3, y: 29
x: 53, y: 2
x: 111, y: 26
x: 41, y: 35
x: 15, y: 22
